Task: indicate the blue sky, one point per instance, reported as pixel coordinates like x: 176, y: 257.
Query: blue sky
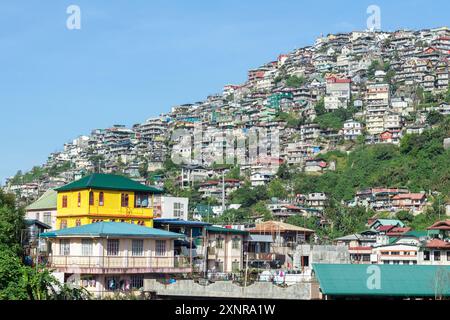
x: 135, y: 59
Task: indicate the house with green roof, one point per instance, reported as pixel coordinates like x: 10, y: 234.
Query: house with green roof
x: 225, y: 249
x: 106, y: 257
x: 43, y: 209
x: 350, y: 281
x: 105, y: 197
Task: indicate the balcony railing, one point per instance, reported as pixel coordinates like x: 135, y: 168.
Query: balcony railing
x: 116, y: 262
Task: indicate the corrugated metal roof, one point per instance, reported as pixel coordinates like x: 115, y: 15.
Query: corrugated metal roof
x: 259, y: 238
x: 117, y: 229
x: 47, y: 201
x: 395, y: 280
x: 179, y: 222
x: 214, y: 229
x: 108, y: 182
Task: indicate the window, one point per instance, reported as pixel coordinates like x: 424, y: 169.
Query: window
x: 124, y: 200
x: 112, y: 247
x: 178, y: 209
x: 91, y: 198
x: 137, y: 248
x: 64, y: 201
x: 426, y: 255
x: 141, y: 200
x: 86, y: 247
x: 63, y: 224
x: 137, y: 281
x: 64, y: 247
x: 236, y: 244
x: 77, y: 222
x: 48, y: 218
x: 219, y: 243
x: 235, y: 266
x: 160, y: 247
x: 437, y: 256
x: 101, y: 199
x: 79, y: 199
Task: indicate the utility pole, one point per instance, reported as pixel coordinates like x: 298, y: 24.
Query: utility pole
x: 223, y: 191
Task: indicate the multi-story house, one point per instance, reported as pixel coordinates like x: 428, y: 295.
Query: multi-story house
x: 225, y: 249
x: 109, y: 257
x: 104, y: 197
x: 44, y: 209
x: 414, y: 202
x: 377, y: 100
x: 352, y: 129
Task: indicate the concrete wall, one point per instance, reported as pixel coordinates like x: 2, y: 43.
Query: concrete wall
x: 322, y: 254
x: 226, y: 289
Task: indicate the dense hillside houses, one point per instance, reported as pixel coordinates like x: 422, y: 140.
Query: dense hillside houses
x: 290, y: 143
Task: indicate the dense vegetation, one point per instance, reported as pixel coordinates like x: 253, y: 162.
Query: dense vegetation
x: 17, y: 280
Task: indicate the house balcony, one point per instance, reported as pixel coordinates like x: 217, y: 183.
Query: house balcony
x: 119, y: 264
x: 264, y: 256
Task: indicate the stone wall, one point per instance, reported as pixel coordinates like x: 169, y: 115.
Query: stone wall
x: 227, y: 289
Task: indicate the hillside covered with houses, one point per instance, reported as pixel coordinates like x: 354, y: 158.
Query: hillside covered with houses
x: 356, y: 126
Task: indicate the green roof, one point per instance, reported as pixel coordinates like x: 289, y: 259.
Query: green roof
x: 112, y: 229
x: 415, y: 233
x: 215, y: 229
x: 395, y: 280
x: 108, y: 182
x: 46, y: 202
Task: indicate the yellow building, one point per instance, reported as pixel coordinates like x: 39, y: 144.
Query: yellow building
x: 104, y: 197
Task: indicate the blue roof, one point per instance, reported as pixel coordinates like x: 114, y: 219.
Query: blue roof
x: 179, y: 222
x: 116, y: 229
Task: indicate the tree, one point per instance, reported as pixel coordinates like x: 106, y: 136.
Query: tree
x: 276, y: 189
x: 404, y: 216
x: 295, y: 81
x: 434, y: 118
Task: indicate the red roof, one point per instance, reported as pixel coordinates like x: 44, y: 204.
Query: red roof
x: 338, y: 80
x: 360, y: 248
x: 436, y: 243
x: 397, y: 231
x: 412, y: 196
x: 385, y: 228
x: 440, y: 225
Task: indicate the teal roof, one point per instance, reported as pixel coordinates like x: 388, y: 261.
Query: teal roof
x: 215, y: 229
x: 389, y: 222
x: 47, y: 201
x: 395, y: 280
x: 111, y: 229
x: 108, y: 182
x: 415, y: 234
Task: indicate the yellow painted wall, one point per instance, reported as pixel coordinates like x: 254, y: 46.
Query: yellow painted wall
x: 111, y: 209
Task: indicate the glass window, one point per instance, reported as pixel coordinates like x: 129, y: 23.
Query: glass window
x: 112, y: 248
x: 64, y: 201
x: 137, y: 281
x: 91, y: 198
x: 426, y: 255
x: 137, y: 247
x: 178, y: 209
x: 101, y: 199
x: 160, y: 247
x: 77, y: 222
x: 48, y: 218
x: 86, y: 247
x: 141, y: 200
x: 448, y: 255
x: 124, y: 200
x: 236, y: 243
x: 63, y: 224
x: 219, y: 243
x: 79, y: 199
x: 437, y: 256
x: 235, y: 266
x: 64, y: 247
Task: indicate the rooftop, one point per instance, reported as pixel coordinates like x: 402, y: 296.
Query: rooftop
x: 112, y: 229
x: 47, y: 201
x: 278, y: 226
x: 107, y: 182
x: 395, y: 280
